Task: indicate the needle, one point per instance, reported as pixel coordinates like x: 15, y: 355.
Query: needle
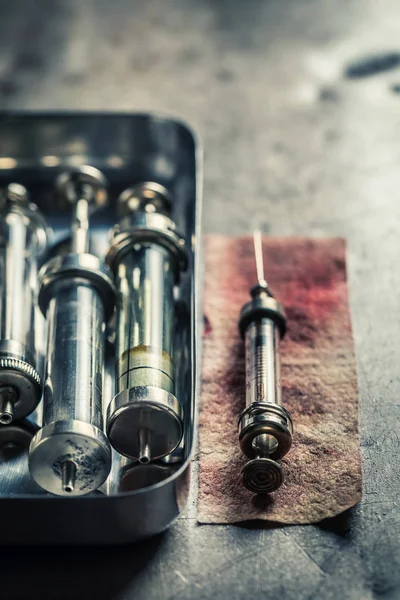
x: 259, y: 258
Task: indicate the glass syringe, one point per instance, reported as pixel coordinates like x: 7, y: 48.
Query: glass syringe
x: 265, y: 427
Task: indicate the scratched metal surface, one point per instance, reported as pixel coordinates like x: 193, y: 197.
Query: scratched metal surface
x: 299, y: 108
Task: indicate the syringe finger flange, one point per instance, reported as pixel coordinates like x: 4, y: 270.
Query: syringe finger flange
x: 140, y: 409
x: 269, y: 420
x: 76, y: 267
x: 148, y: 228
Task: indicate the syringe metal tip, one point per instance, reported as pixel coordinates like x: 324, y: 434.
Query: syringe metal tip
x: 144, y: 446
x: 262, y: 475
x: 8, y: 397
x: 260, y: 289
x: 68, y: 476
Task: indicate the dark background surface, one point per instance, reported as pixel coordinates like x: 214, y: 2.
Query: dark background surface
x: 298, y: 105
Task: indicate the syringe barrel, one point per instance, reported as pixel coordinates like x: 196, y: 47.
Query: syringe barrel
x: 22, y: 242
x: 75, y: 354
x: 265, y: 426
x: 145, y: 280
x: 76, y: 295
x: 263, y: 381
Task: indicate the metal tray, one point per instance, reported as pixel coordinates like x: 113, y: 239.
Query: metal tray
x: 128, y: 148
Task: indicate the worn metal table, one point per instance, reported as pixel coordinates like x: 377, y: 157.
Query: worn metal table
x: 300, y: 125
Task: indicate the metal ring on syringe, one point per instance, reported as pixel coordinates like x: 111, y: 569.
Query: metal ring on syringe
x: 147, y: 255
x: 23, y: 241
x: 265, y: 426
x: 71, y: 455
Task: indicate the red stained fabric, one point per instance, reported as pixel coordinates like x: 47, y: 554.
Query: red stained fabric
x: 319, y: 381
